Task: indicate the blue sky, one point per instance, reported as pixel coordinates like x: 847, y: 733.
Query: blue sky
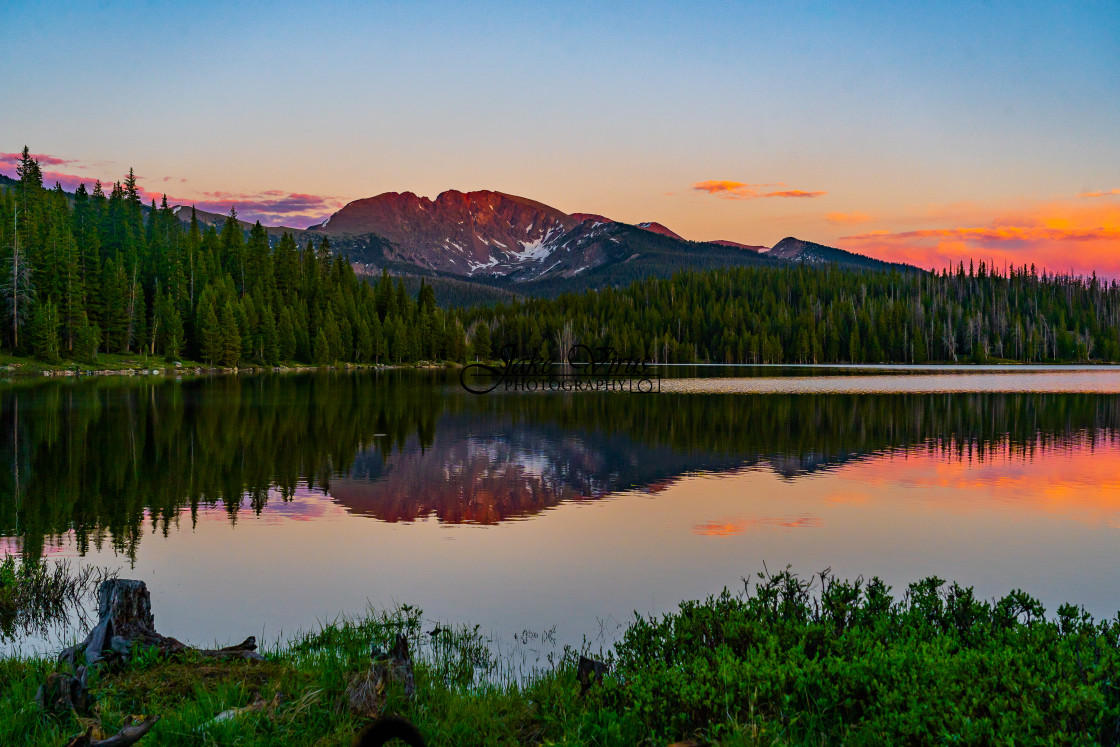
x: 907, y: 117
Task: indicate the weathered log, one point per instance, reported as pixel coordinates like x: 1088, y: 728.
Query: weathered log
x: 126, y: 736
x: 60, y: 693
x: 257, y: 704
x: 244, y: 650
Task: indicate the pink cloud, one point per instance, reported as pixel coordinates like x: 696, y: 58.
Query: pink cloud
x: 11, y: 159
x: 271, y: 207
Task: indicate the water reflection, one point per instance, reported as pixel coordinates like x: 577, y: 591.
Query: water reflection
x: 100, y: 460
x: 257, y: 503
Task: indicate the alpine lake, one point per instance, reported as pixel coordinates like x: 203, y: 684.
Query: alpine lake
x: 269, y: 504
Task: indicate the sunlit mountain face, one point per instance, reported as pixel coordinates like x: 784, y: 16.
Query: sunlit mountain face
x: 493, y: 236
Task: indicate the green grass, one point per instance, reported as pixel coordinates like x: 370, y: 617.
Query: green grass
x: 22, y: 365
x: 28, y: 365
x: 792, y: 661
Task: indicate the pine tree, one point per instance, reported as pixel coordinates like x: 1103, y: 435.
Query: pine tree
x: 44, y: 332
x: 480, y: 342
x: 209, y: 330
x: 230, y: 337
x: 87, y: 337
x: 286, y: 336
x: 363, y: 347
x: 167, y: 327
x: 270, y: 338
x: 322, y: 349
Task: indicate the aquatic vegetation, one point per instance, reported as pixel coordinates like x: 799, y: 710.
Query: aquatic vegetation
x: 36, y: 594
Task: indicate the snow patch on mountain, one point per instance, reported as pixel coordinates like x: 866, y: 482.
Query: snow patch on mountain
x: 535, y: 250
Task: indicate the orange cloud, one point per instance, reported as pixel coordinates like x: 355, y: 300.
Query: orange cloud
x: 729, y: 190
x: 726, y: 189
x: 1100, y: 194
x: 845, y: 219
x: 1058, y: 236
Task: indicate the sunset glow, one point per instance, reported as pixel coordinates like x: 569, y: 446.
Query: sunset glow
x: 923, y: 133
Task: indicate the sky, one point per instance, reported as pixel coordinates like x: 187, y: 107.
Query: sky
x: 919, y: 132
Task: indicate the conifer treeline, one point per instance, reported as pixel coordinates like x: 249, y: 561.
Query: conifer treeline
x: 826, y: 315
x: 99, y: 273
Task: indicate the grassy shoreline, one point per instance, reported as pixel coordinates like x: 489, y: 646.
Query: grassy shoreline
x: 131, y: 365
x: 16, y: 366
x: 787, y: 661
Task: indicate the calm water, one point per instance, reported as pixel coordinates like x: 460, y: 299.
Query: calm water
x: 263, y: 505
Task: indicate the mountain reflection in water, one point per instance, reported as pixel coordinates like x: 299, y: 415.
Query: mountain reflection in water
x: 267, y: 504
x: 102, y: 458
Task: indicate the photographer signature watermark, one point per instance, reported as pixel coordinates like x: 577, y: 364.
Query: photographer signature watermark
x: 586, y: 369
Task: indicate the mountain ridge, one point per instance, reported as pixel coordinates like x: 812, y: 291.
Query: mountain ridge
x: 499, y: 242
x: 492, y: 234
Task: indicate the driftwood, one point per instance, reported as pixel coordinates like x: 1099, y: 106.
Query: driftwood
x: 60, y: 693
x: 366, y: 693
x: 126, y: 736
x: 125, y: 622
x: 257, y: 704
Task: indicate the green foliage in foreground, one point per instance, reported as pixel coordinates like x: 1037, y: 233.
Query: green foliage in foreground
x: 786, y: 663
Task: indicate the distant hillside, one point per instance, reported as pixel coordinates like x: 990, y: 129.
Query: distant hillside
x: 806, y: 252
x: 737, y: 245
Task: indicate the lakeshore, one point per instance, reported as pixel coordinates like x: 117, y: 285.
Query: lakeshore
x: 786, y: 660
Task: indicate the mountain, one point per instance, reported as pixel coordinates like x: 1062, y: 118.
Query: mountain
x: 593, y: 217
x: 807, y: 252
x: 468, y: 233
x: 658, y: 228
x: 497, y: 237
x: 484, y: 244
x: 649, y: 226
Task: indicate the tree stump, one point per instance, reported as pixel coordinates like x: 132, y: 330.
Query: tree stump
x: 125, y: 620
